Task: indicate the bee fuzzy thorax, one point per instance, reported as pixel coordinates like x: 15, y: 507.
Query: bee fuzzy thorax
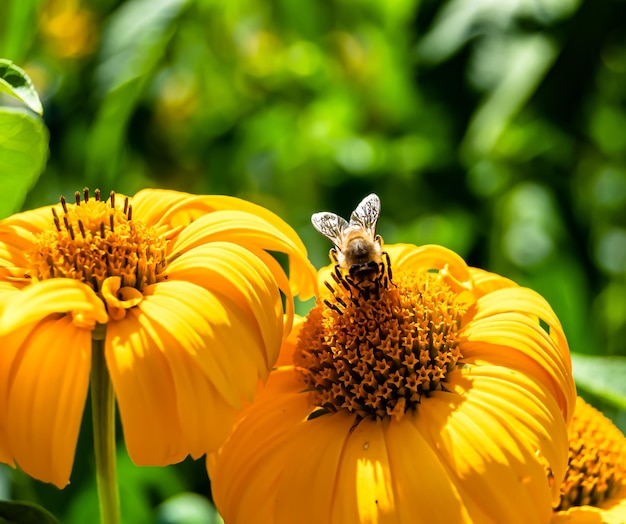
x: 358, y: 249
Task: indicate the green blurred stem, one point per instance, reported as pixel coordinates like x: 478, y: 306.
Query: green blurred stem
x: 103, y: 414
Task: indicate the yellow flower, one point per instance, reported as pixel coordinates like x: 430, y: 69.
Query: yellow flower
x: 443, y: 396
x: 184, y: 295
x: 68, y: 29
x: 594, y: 489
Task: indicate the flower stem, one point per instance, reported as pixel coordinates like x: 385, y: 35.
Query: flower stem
x: 103, y: 415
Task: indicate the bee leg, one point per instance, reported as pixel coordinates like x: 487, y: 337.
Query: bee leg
x: 338, y: 277
x: 352, y: 287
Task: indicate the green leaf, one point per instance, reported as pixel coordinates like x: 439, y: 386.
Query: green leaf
x: 18, y: 512
x: 133, y: 45
x: 23, y: 155
x: 15, y: 82
x: 602, y: 376
x: 18, y: 27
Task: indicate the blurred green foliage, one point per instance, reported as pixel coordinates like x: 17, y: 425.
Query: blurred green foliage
x: 494, y: 128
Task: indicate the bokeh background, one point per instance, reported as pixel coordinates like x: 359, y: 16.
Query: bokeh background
x: 494, y: 127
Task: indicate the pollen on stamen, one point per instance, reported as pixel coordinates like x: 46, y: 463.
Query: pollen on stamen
x: 96, y: 240
x: 377, y: 351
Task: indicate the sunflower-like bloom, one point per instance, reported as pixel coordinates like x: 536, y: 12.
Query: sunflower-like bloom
x: 594, y: 488
x: 441, y: 396
x: 182, y: 293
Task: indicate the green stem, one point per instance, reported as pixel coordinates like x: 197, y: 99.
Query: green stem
x: 103, y: 415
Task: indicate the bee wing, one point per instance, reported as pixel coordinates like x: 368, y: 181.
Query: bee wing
x: 330, y: 225
x: 365, y: 216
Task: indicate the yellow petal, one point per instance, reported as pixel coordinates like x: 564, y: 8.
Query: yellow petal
x: 244, y: 477
x: 57, y: 295
x: 423, y: 258
x: 517, y: 302
x: 419, y: 499
x: 236, y: 273
x: 314, y: 478
x: 174, y: 209
x: 285, y: 358
x: 185, y: 356
x: 157, y: 207
x: 251, y: 232
x: 518, y: 299
x: 17, y: 235
x: 45, y: 372
x: 485, y: 282
x: 363, y: 489
x: 515, y: 341
x: 219, y: 340
x: 488, y: 432
x: 145, y: 391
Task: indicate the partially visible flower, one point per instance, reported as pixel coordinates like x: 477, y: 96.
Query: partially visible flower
x: 443, y: 396
x: 68, y: 28
x: 594, y: 488
x: 183, y: 292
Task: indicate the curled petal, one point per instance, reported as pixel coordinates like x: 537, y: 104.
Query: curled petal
x: 484, y: 282
x: 172, y: 209
x: 49, y: 297
x: 423, y: 258
x: 175, y: 210
x: 234, y: 272
x: 251, y: 232
x: 119, y: 299
x: 44, y: 373
x: 531, y: 303
x: 514, y: 341
x: 520, y: 302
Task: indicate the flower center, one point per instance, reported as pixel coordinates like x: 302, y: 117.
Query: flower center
x: 596, y: 469
x: 94, y: 240
x: 376, y: 351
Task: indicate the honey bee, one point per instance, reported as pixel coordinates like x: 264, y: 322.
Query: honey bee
x: 358, y: 250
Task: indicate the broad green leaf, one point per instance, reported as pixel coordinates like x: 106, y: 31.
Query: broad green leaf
x: 24, y: 513
x: 23, y: 155
x: 602, y: 376
x: 15, y: 82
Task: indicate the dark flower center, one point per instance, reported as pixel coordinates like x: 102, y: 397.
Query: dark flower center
x: 377, y: 351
